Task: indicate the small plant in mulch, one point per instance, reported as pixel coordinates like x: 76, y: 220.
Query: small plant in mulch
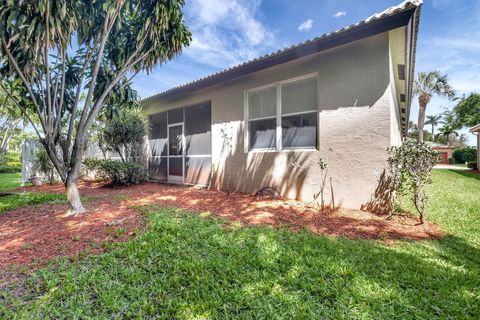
x: 323, y: 184
x: 226, y: 132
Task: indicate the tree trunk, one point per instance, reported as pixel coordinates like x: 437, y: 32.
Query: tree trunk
x: 421, y: 119
x: 75, y: 206
x: 433, y: 131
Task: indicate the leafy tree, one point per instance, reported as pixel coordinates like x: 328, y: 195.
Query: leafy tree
x: 410, y: 166
x: 69, y: 56
x: 450, y: 125
x: 10, y: 117
x: 429, y: 84
x: 467, y: 110
x: 413, y: 132
x: 124, y: 134
x: 466, y: 154
x: 433, y: 121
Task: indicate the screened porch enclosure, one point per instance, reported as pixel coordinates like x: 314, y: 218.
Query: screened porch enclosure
x: 181, y: 145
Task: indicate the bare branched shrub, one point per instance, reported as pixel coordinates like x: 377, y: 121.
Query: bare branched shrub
x: 410, y: 166
x: 323, y: 182
x: 227, y: 136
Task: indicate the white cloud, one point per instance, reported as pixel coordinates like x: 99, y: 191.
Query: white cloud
x: 339, y: 14
x: 306, y: 25
x: 226, y: 32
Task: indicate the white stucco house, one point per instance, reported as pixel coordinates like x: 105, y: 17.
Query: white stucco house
x: 343, y: 97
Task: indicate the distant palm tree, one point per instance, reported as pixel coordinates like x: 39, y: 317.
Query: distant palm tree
x: 447, y: 131
x: 450, y: 125
x: 433, y: 121
x: 426, y: 85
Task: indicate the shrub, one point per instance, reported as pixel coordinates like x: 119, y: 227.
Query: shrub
x: 10, y: 162
x: 466, y: 154
x: 117, y: 173
x: 45, y: 165
x: 11, y: 167
x: 451, y: 160
x: 472, y: 165
x: 410, y: 166
x: 124, y: 134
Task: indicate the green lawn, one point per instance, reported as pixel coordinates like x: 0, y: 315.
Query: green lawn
x: 10, y: 202
x: 188, y: 267
x: 9, y: 181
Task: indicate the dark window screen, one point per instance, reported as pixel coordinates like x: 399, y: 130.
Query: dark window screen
x: 158, y: 168
x: 197, y: 170
x: 175, y: 166
x: 198, y: 124
x: 158, y: 134
x: 175, y: 116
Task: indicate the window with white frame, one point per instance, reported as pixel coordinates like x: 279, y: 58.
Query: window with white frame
x: 283, y: 116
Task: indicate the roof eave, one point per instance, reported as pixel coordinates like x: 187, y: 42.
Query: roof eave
x: 413, y: 26
x: 475, y: 129
x: 328, y: 41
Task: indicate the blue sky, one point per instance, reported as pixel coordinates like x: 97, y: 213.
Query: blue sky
x: 228, y: 32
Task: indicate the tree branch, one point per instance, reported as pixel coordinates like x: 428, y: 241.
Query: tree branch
x: 47, y: 70
x: 25, y: 82
x: 21, y: 109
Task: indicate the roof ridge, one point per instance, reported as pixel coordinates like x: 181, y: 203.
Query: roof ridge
x: 403, y: 6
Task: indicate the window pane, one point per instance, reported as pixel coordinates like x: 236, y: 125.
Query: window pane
x: 299, y: 96
x: 262, y: 103
x: 299, y: 131
x: 262, y: 134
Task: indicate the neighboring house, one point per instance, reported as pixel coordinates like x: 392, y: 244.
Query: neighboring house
x: 476, y: 131
x: 444, y: 152
x: 343, y: 97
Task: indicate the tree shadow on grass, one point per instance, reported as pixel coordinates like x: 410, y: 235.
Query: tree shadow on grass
x: 192, y: 267
x: 469, y: 174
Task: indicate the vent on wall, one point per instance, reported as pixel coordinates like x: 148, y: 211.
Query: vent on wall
x: 402, y: 97
x: 401, y: 71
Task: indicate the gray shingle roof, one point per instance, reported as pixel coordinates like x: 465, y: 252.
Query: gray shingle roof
x: 390, y: 12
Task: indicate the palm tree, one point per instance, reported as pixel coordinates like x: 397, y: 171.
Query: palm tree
x: 426, y: 85
x: 433, y: 121
x: 450, y: 125
x: 448, y: 130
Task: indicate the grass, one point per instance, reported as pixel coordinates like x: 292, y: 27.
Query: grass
x: 9, y: 181
x: 27, y: 199
x: 10, y: 202
x: 188, y: 267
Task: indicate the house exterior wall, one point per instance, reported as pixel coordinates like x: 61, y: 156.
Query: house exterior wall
x: 355, y: 125
x: 478, y: 151
x: 443, y: 154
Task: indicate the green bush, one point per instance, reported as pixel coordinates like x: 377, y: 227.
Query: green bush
x: 117, y: 173
x: 5, y: 168
x: 11, y: 163
x: 472, y: 165
x: 465, y: 154
x: 451, y: 160
x: 12, y: 156
x: 45, y: 165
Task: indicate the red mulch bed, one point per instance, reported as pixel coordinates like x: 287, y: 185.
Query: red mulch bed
x: 31, y: 236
